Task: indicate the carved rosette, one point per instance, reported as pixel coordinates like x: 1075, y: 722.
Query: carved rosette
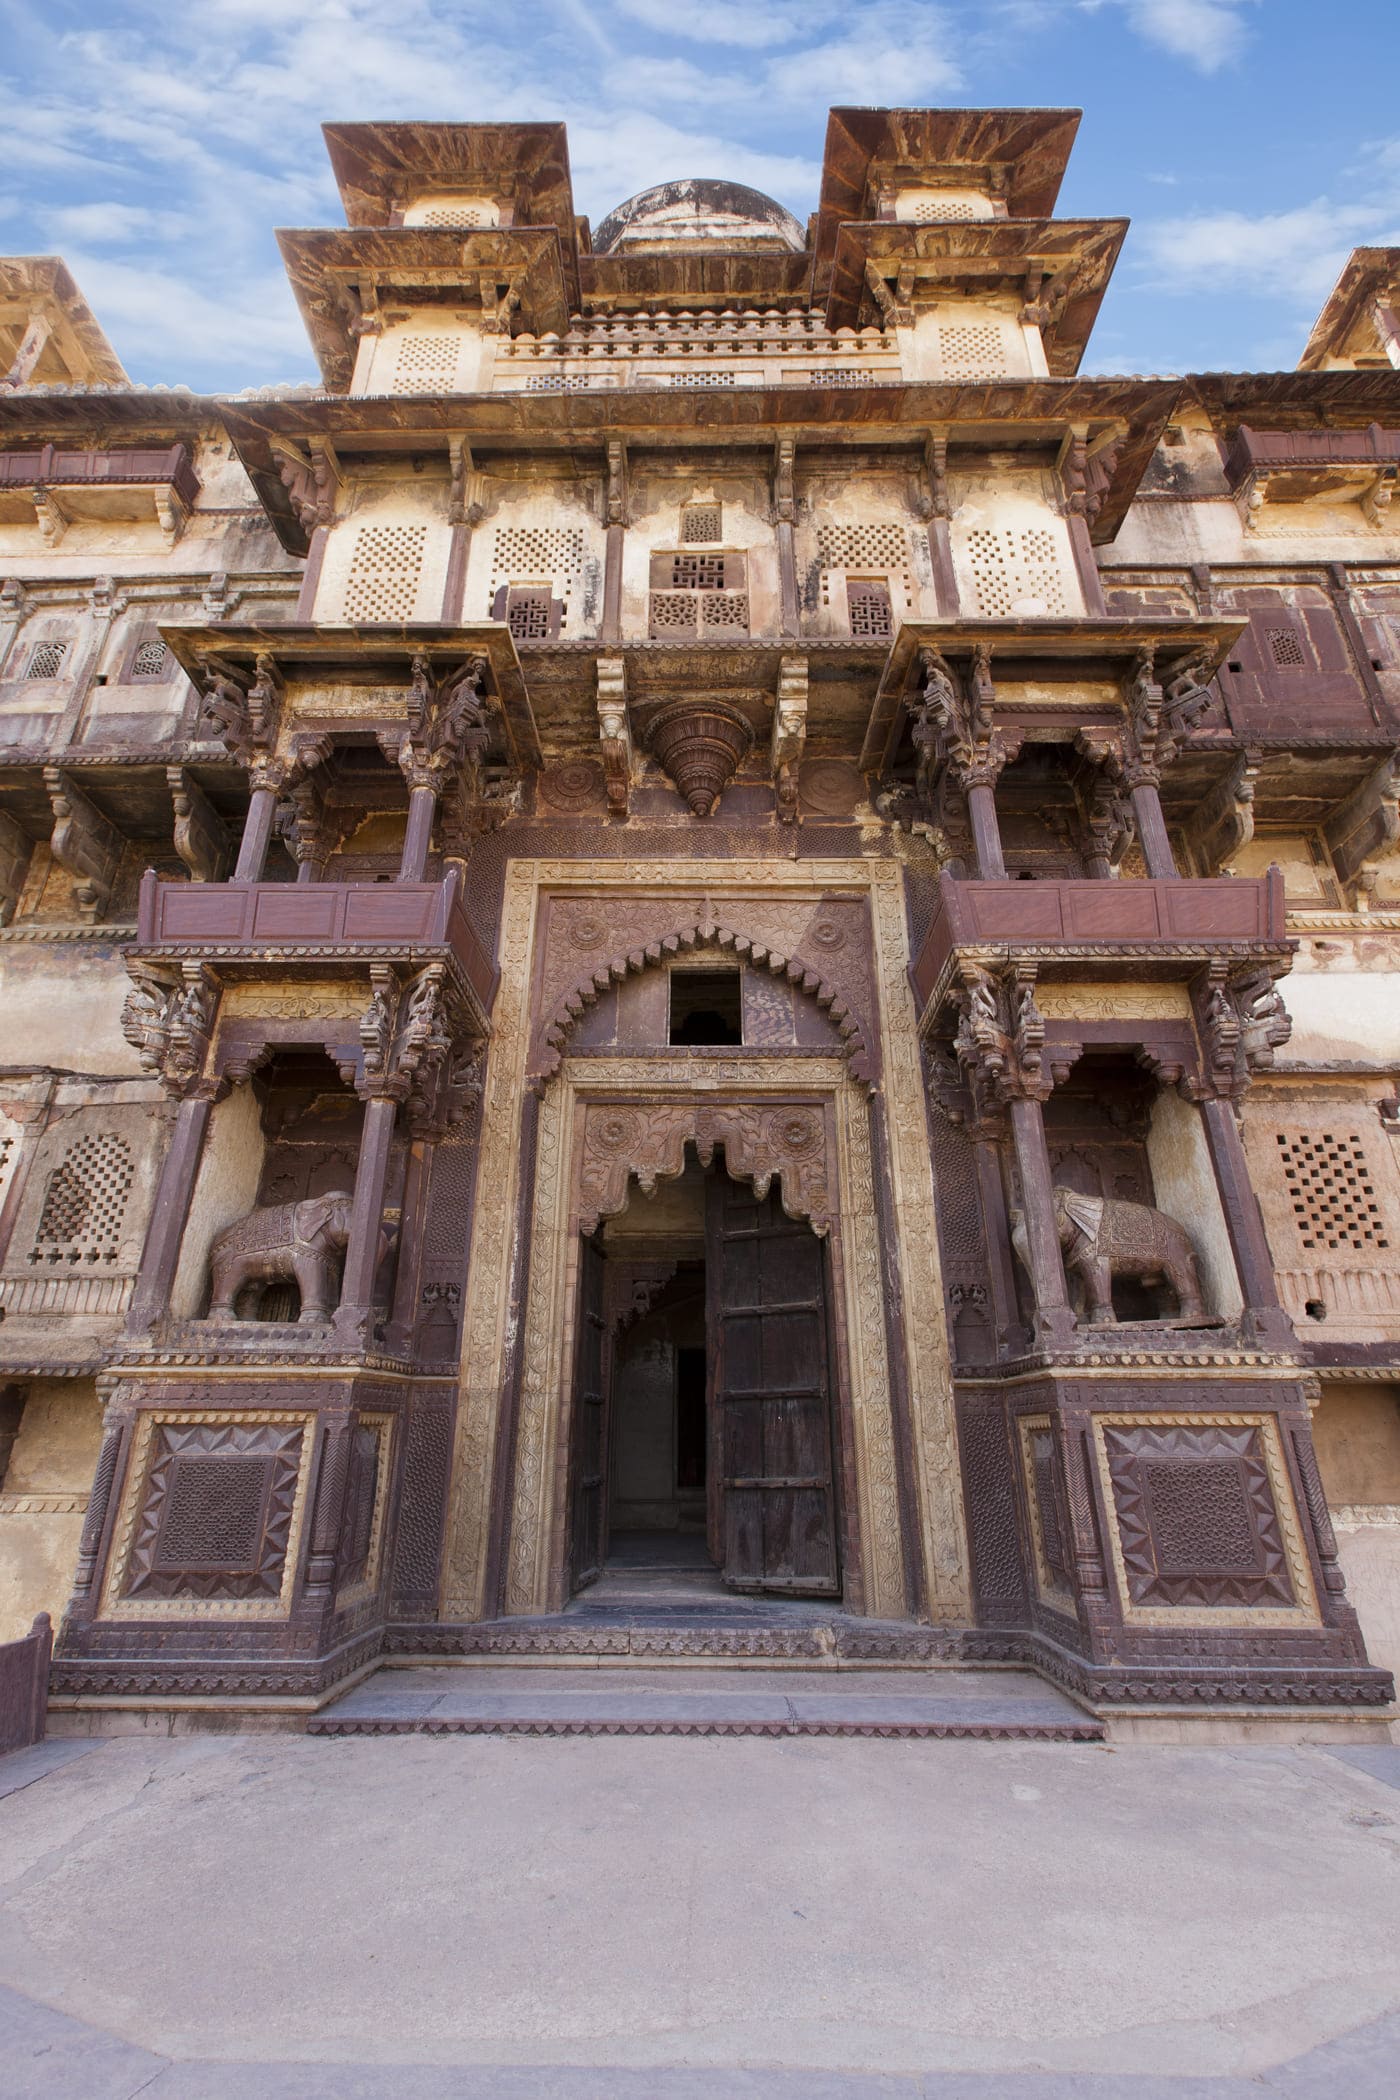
x: 646, y: 1142
x: 699, y: 745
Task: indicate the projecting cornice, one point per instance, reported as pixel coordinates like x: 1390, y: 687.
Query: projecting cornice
x: 1019, y: 155
x: 1059, y: 268
x: 1121, y: 419
x: 344, y: 281
x: 380, y: 168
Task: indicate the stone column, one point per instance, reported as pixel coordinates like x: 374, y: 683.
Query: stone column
x: 1152, y: 829
x: 418, y: 833
x: 170, y: 1210
x: 1264, y: 1317
x: 257, y: 834
x: 986, y: 831
x: 362, y: 1253
x: 1054, y: 1318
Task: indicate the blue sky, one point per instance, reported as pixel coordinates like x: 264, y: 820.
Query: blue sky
x: 1251, y: 142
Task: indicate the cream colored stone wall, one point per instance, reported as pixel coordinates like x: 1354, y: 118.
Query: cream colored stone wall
x: 226, y: 1189
x: 959, y: 341
x: 658, y: 499
x: 43, y: 1500
x: 1185, y: 1186
x: 543, y: 532
x: 860, y: 525
x: 1327, y: 1173
x: 387, y: 555
x: 433, y: 351
x: 1011, y: 551
x: 62, y: 1003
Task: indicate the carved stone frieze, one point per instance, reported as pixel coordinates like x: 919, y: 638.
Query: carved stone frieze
x: 647, y: 1143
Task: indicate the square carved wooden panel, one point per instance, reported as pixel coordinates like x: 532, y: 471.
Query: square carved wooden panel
x: 1203, y: 1515
x: 211, y: 1515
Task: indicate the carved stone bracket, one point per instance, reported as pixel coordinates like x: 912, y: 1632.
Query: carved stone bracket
x: 1365, y: 830
x: 467, y: 500
x: 83, y: 841
x: 955, y: 730
x: 416, y: 1047
x: 615, y: 733
x: 789, y: 734
x: 1224, y: 822
x: 1241, y: 1021
x: 1000, y: 1040
x: 168, y: 1019
x: 201, y: 839
x: 761, y: 1141
x: 445, y: 723
x: 244, y: 713
x: 1158, y: 718
x: 15, y: 849
x: 931, y: 497
x: 617, y: 501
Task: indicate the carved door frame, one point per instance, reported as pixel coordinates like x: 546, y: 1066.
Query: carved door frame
x: 799, y: 1119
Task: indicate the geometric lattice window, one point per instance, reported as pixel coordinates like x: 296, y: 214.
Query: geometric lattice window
x: 151, y: 662
x: 466, y: 215
x: 426, y: 364
x: 697, y: 572
x: 869, y: 600
x: 536, y: 550
x: 881, y: 548
x: 701, y: 524
x: 673, y: 613
x: 213, y: 1515
x: 702, y: 378
x: 971, y: 350
x: 216, y: 1510
x: 840, y: 375
x: 562, y: 383
x: 862, y: 546
x: 46, y: 660
x: 1009, y: 566
x: 384, y: 572
x: 85, y: 1202
x: 724, y: 612
x: 528, y: 615
x: 1286, y: 649
x: 932, y: 213
x: 1331, y: 1190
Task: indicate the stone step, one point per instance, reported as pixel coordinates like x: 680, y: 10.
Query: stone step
x: 730, y: 1630
x: 994, y: 1705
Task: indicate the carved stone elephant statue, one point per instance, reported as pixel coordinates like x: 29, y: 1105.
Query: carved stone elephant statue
x: 1103, y: 1237
x: 300, y: 1240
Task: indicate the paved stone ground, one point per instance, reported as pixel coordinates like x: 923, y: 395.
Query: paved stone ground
x: 500, y: 1918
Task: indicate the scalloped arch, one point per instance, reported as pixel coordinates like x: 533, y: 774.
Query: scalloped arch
x: 702, y: 934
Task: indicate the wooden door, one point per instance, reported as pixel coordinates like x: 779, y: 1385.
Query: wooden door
x: 589, y: 1541
x: 766, y: 1277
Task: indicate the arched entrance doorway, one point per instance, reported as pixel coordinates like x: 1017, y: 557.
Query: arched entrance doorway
x: 704, y: 1428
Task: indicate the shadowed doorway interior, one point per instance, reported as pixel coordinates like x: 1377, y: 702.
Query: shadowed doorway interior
x: 703, y: 1447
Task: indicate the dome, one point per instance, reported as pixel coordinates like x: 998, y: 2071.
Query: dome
x: 696, y: 210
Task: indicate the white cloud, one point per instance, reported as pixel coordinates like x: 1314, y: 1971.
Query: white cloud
x: 754, y: 27
x: 1295, y: 255
x: 1208, y: 34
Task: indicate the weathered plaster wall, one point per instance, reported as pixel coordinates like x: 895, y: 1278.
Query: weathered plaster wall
x: 43, y: 1500
x: 62, y: 1006
x: 1185, y: 1184
x: 227, y: 1188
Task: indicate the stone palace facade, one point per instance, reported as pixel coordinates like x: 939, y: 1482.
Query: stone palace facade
x: 704, y: 896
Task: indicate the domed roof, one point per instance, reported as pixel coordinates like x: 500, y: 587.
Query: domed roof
x: 692, y: 209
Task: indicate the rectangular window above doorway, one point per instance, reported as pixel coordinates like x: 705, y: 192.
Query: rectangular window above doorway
x: 706, y: 1008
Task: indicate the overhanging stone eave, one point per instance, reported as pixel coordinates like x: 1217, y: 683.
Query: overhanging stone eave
x: 1102, y: 648
x: 306, y: 652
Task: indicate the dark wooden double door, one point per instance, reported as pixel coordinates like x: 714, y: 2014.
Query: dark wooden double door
x: 773, y: 1515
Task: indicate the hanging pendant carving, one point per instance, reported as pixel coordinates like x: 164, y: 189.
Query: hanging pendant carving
x: 698, y: 745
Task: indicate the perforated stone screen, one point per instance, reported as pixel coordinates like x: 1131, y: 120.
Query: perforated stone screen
x: 426, y: 364
x: 1009, y: 566
x: 151, y: 662
x: 971, y: 350
x: 1286, y: 649
x: 46, y: 660
x: 527, y: 615
x: 85, y: 1202
x: 1331, y: 1190
x: 868, y: 599
x: 702, y: 524
x: 526, y: 555
x: 385, y: 571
